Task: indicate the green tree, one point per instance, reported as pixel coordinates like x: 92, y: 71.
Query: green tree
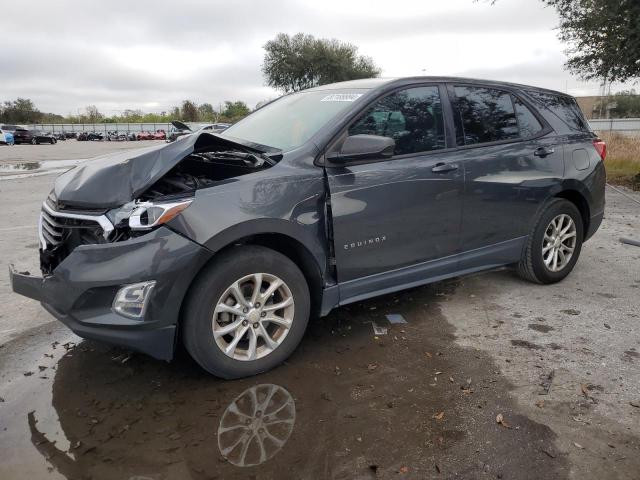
x: 189, y: 111
x: 293, y: 63
x: 21, y: 110
x: 603, y: 37
x: 206, y: 113
x: 235, y: 110
x: 624, y: 104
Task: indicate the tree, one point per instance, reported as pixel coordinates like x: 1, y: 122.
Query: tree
x: 93, y: 115
x: 21, y: 110
x: 206, y: 113
x: 293, y: 63
x: 235, y: 110
x: 603, y: 37
x: 624, y: 104
x: 189, y: 111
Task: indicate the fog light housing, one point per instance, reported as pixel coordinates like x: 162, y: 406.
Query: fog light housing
x: 131, y: 300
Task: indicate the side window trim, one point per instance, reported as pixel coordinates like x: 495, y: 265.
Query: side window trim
x: 444, y: 101
x: 546, y: 128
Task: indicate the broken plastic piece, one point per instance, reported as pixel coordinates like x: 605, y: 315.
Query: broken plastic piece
x: 395, y: 318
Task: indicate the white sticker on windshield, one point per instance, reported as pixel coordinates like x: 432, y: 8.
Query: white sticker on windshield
x: 342, y: 97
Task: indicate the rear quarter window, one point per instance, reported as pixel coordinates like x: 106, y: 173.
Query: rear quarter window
x: 563, y: 107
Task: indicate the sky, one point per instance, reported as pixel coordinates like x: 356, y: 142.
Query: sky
x: 150, y: 55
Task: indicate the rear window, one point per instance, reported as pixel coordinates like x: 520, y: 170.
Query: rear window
x: 563, y: 107
x: 484, y: 115
x: 527, y: 121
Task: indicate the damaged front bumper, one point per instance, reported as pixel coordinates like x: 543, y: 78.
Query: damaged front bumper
x: 81, y: 290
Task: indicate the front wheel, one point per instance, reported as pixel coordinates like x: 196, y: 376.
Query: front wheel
x: 554, y: 244
x: 246, y: 312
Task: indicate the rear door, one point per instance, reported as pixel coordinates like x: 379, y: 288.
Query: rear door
x: 404, y: 210
x: 512, y: 160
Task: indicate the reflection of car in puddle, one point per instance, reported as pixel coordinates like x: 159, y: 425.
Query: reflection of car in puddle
x: 113, y: 426
x: 256, y: 425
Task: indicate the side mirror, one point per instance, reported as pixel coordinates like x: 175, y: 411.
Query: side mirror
x: 363, y: 147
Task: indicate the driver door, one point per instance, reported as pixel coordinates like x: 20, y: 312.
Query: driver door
x: 403, y: 214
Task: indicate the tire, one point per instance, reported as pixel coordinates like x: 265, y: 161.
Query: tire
x: 532, y: 265
x: 53, y: 141
x: 214, y: 284
x: 34, y: 141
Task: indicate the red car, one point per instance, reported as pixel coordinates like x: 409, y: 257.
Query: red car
x: 145, y: 136
x: 160, y: 135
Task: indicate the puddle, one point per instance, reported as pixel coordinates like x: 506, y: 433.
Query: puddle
x: 10, y: 171
x: 347, y: 404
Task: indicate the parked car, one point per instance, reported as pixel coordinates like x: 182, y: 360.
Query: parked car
x: 160, y: 135
x: 34, y: 137
x: 131, y: 136
x: 89, y: 136
x: 179, y: 129
x: 116, y: 136
x: 70, y: 135
x: 11, y: 128
x: 6, y: 137
x: 231, y: 242
x: 59, y: 136
x: 145, y: 136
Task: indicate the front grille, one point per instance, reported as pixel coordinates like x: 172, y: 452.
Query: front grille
x: 61, y: 231
x: 56, y: 229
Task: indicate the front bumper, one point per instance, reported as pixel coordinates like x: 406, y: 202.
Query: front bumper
x: 80, y: 291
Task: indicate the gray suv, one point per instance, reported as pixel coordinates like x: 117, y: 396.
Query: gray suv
x: 230, y: 242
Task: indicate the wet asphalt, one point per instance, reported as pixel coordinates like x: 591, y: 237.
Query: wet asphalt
x: 490, y: 377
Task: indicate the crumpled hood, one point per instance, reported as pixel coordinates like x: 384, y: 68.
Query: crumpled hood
x: 113, y: 180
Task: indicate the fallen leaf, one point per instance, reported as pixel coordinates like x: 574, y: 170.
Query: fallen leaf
x: 501, y: 421
x: 540, y: 403
x: 404, y: 469
x: 438, y: 373
x: 428, y: 355
x: 578, y: 445
x: 372, y: 366
x: 451, y: 379
x: 439, y: 416
x: 585, y: 391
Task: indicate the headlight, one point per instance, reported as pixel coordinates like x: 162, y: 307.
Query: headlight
x: 146, y: 215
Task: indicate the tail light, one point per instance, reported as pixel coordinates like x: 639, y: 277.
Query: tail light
x: 601, y: 148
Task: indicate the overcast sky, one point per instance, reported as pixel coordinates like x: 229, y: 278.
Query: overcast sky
x: 66, y: 55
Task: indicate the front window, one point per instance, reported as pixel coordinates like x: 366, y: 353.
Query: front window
x: 293, y: 119
x: 412, y: 117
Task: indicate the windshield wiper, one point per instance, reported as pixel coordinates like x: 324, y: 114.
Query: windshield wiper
x: 255, y: 160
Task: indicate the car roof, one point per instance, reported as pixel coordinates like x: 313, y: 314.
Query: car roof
x: 374, y: 83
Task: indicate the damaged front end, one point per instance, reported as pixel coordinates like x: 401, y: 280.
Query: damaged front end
x: 119, y: 197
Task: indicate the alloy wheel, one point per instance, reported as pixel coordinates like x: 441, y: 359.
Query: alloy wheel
x: 253, y: 316
x: 559, y: 242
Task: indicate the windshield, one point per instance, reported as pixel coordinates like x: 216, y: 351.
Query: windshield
x: 293, y: 119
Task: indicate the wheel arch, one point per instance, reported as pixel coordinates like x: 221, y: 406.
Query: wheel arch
x: 279, y: 236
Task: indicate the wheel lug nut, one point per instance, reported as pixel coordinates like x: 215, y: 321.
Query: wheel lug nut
x: 255, y: 325
x: 257, y: 305
x: 245, y: 323
x: 245, y: 310
x: 263, y: 314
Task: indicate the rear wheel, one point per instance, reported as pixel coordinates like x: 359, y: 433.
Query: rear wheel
x: 246, y: 312
x: 34, y: 141
x: 554, y: 245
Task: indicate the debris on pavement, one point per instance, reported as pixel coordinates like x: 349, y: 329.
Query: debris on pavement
x: 546, y: 383
x: 501, y: 421
x: 630, y: 241
x: 395, y: 318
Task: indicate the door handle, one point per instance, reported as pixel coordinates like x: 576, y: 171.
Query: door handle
x: 543, y: 151
x: 442, y: 167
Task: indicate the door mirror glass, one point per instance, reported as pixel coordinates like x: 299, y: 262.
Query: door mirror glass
x: 363, y: 147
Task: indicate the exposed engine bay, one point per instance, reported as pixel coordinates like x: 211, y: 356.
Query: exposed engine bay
x: 62, y: 227
x: 205, y: 169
